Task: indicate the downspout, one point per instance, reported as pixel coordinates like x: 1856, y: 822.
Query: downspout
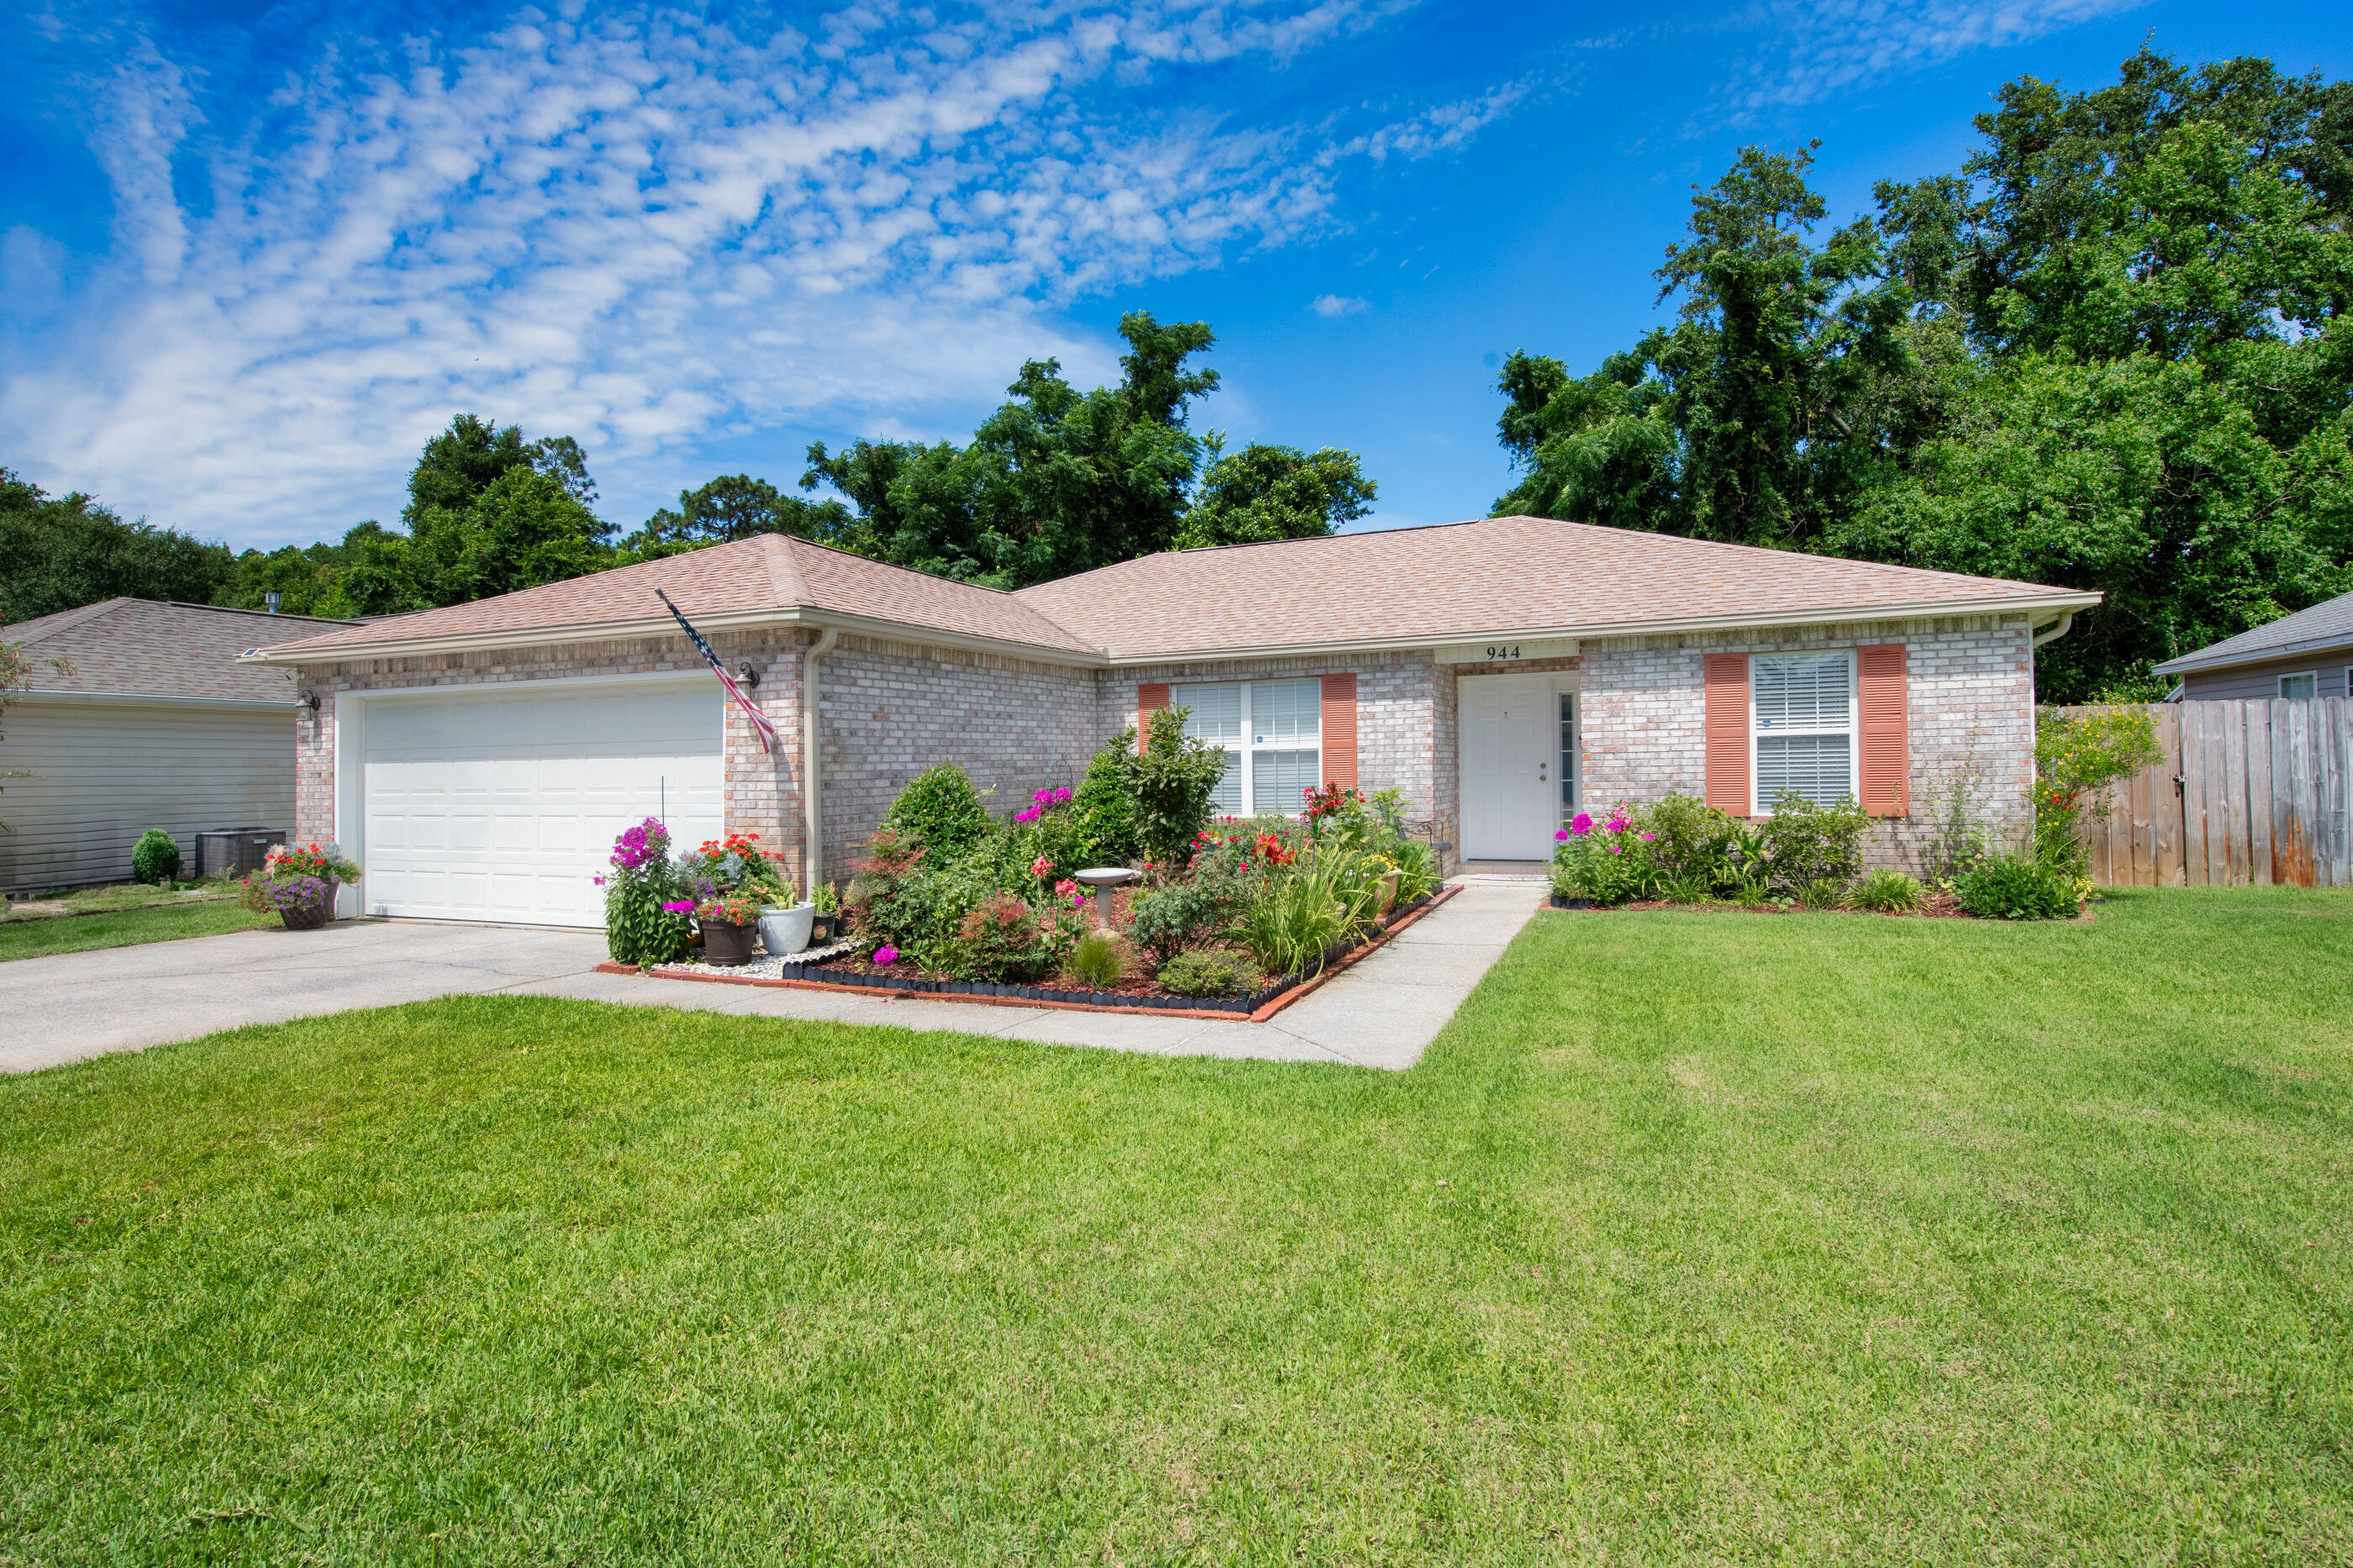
x: 2056, y: 629
x: 812, y: 825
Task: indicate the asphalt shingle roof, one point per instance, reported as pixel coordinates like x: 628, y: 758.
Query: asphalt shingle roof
x: 147, y: 647
x: 2326, y: 625
x: 1519, y: 575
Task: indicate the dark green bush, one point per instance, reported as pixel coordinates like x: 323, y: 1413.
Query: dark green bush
x: 1103, y: 809
x: 1886, y: 891
x: 1693, y: 847
x: 155, y: 858
x: 1807, y: 846
x: 1172, y: 781
x: 2010, y: 888
x: 1166, y: 919
x: 1209, y: 972
x: 941, y: 811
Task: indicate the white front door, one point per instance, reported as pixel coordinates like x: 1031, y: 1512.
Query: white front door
x: 503, y: 804
x: 1513, y: 736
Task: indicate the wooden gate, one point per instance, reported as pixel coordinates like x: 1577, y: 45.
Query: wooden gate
x: 2250, y: 794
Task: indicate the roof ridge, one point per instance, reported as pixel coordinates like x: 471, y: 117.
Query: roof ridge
x: 785, y: 583
x: 266, y: 615
x: 67, y: 619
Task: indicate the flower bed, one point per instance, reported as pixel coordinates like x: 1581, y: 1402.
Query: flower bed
x: 844, y: 970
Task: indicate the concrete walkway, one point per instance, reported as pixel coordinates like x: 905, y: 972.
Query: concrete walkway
x: 1381, y: 1012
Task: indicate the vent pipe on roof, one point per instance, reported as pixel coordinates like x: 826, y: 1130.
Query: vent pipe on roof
x: 813, y: 827
x: 270, y: 600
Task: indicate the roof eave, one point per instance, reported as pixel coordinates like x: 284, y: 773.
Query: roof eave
x: 2198, y: 663
x: 298, y: 654
x: 286, y: 704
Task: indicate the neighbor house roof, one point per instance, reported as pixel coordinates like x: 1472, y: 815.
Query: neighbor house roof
x: 1504, y: 576
x: 2327, y: 625
x: 147, y: 649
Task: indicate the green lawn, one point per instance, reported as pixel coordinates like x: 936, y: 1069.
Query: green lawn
x: 206, y: 914
x: 1704, y: 1236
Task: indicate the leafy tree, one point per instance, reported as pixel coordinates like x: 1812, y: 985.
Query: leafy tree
x: 57, y: 552
x: 2110, y: 352
x: 733, y: 507
x: 1264, y: 493
x: 1058, y: 481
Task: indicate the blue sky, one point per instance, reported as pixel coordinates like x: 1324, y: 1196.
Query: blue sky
x: 252, y: 255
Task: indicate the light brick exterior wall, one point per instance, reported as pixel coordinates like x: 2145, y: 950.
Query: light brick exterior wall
x: 1396, y: 701
x: 1969, y: 690
x: 890, y: 709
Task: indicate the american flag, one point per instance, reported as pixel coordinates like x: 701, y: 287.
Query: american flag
x: 760, y: 724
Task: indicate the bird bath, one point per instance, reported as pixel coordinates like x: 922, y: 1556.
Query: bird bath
x: 1102, y: 880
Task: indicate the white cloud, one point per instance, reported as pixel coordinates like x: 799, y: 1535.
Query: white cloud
x: 1330, y: 305
x: 644, y: 232
x: 1822, y: 48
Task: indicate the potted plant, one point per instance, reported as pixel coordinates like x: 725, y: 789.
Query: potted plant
x: 729, y: 922
x: 785, y: 928
x: 825, y: 921
x: 300, y: 881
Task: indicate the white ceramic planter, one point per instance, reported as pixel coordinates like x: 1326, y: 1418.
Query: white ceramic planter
x: 786, y: 932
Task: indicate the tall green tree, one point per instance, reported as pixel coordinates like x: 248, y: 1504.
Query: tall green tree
x: 60, y: 551
x: 2108, y: 352
x: 1264, y: 493
x: 734, y: 507
x: 1058, y: 481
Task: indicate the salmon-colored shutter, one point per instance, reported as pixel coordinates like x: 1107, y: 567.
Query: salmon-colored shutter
x: 1340, y: 730
x: 1728, y: 732
x: 1886, y: 738
x: 1150, y: 698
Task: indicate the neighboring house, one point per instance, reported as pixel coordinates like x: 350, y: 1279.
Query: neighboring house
x: 157, y: 725
x: 2307, y: 654
x: 477, y: 759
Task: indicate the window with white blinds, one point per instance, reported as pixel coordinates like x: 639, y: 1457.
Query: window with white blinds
x: 1802, y: 724
x: 1272, y: 734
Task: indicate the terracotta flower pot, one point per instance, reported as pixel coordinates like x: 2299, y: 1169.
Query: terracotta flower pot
x: 312, y: 914
x: 727, y: 945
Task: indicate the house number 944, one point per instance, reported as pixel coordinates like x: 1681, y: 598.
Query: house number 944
x: 1496, y: 650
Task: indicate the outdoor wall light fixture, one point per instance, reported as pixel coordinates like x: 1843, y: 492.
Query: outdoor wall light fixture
x: 308, y: 699
x: 751, y: 677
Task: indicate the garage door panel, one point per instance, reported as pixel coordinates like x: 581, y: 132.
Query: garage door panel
x: 500, y: 806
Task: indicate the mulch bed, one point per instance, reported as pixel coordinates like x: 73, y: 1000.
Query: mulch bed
x: 861, y: 976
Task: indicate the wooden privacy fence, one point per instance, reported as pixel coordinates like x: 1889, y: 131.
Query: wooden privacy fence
x: 2250, y: 794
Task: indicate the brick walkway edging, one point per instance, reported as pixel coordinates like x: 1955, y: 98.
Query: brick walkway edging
x: 1266, y: 1011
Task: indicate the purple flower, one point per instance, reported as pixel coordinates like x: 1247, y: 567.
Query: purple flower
x: 680, y: 906
x: 1061, y: 796
x: 1581, y: 824
x: 1650, y: 837
x: 1042, y: 797
x: 1618, y: 825
x: 886, y: 955
x: 1617, y: 849
x: 1561, y: 838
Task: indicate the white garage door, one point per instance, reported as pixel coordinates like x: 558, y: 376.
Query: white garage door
x: 503, y: 806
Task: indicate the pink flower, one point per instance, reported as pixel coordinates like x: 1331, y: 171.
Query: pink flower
x: 680, y: 906
x: 1648, y: 837
x: 1040, y: 866
x: 1581, y: 824
x: 1042, y: 797
x: 1618, y: 825
x: 1060, y: 796
x: 1065, y: 886
x: 886, y: 955
x: 1617, y: 849
x: 1078, y: 900
x: 1561, y: 838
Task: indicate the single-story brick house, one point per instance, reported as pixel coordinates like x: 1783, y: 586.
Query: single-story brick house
x: 477, y: 759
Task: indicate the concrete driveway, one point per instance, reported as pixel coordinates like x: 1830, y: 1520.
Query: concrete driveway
x: 1382, y: 1012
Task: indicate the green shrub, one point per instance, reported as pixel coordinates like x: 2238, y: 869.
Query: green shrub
x: 1606, y: 861
x: 1886, y: 891
x: 1096, y: 961
x: 1166, y: 919
x: 1692, y: 848
x: 1294, y: 918
x: 1209, y: 972
x: 638, y: 930
x: 2013, y: 887
x: 997, y: 940
x: 940, y: 812
x: 1103, y: 809
x: 1171, y: 781
x: 1807, y: 844
x: 1417, y: 865
x: 155, y: 858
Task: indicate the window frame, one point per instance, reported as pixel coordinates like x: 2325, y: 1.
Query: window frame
x: 1758, y: 805
x: 1569, y: 708
x: 2280, y: 687
x: 1248, y: 746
